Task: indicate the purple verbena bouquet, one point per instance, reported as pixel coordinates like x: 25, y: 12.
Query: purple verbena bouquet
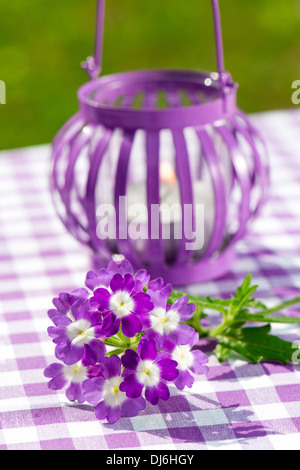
x: 121, y: 342
x: 124, y: 338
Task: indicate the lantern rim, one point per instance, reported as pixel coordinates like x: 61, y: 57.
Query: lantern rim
x: 97, y: 99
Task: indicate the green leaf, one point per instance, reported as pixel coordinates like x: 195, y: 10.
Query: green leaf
x: 254, y: 303
x: 221, y: 302
x: 242, y: 297
x: 256, y: 344
x: 268, y: 319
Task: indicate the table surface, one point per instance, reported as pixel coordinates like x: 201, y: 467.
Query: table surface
x: 236, y: 406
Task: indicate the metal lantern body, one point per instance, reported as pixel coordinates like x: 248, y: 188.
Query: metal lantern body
x: 160, y: 138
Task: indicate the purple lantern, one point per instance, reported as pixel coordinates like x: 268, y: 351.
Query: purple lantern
x: 172, y: 142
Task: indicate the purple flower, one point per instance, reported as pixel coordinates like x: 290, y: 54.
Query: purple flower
x: 119, y: 265
x: 188, y: 359
x: 164, y: 321
x: 141, y: 277
x: 105, y: 393
x: 61, y: 375
x: 63, y: 303
x: 143, y: 370
x: 116, y: 300
x: 122, y: 305
x: 96, y: 280
x: 77, y: 336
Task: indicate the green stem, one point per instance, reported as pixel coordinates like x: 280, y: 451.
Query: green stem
x: 114, y: 342
x: 115, y: 351
x: 217, y: 331
x: 195, y: 322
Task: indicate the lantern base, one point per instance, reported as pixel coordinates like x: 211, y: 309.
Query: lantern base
x: 203, y: 271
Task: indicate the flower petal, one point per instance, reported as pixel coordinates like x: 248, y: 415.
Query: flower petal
x: 123, y: 267
x: 156, y: 284
x: 147, y: 350
x: 110, y: 324
x: 194, y: 340
x: 57, y: 333
x: 200, y: 359
x: 111, y: 366
x: 81, y: 309
x: 160, y: 297
x: 61, y: 320
x: 52, y: 313
x: 101, y: 299
x: 168, y: 369
x: 163, y: 391
x: 142, y: 277
x: 57, y: 383
x: 114, y: 414
x: 131, y: 325
x: 131, y: 386
x: 185, y: 309
x: 117, y: 283
x: 184, y: 379
x: 59, y: 348
x: 132, y: 406
x: 151, y: 335
x: 93, y: 352
x: 182, y: 335
x: 130, y: 359
x: 142, y: 303
x: 80, y: 293
x: 151, y: 394
x: 75, y: 393
x: 129, y: 283
x: 101, y: 410
x: 72, y: 354
x: 92, y: 390
x: 94, y: 281
x: 168, y: 346
x: 63, y: 303
x: 53, y: 370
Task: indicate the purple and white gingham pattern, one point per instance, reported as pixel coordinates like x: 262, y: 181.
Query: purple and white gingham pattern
x: 236, y: 406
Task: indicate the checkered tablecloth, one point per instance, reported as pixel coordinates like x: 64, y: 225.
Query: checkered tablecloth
x: 236, y: 406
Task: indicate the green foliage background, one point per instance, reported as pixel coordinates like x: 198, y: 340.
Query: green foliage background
x: 42, y: 43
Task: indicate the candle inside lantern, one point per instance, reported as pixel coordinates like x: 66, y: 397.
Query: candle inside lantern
x: 167, y: 173
x: 170, y: 211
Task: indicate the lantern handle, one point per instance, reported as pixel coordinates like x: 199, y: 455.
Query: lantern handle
x: 218, y: 36
x: 93, y: 64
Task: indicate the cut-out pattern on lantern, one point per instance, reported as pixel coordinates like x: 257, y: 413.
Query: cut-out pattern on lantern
x: 166, y: 139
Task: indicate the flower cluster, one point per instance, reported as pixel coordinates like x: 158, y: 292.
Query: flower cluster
x: 120, y: 343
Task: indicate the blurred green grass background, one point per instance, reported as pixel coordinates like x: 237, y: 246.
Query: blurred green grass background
x: 43, y: 42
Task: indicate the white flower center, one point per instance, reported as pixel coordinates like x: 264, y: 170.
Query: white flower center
x: 183, y: 356
x: 80, y: 332
x: 76, y: 373
x: 148, y: 374
x: 112, y: 394
x: 118, y: 258
x: 163, y: 321
x: 121, y: 304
